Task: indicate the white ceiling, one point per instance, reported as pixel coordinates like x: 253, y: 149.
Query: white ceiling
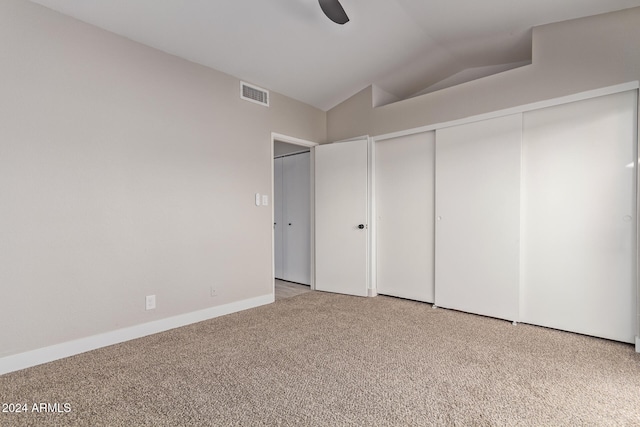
x: 289, y: 46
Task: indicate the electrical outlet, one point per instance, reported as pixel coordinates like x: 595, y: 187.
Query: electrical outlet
x: 150, y: 302
x: 214, y: 292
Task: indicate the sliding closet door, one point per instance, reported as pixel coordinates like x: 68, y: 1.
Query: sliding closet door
x: 297, y: 214
x: 477, y: 217
x: 578, y: 241
x: 404, y: 182
x: 278, y: 218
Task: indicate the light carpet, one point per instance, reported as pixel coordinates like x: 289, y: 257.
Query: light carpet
x: 322, y: 359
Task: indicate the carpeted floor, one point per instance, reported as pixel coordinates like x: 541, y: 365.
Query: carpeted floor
x: 322, y: 359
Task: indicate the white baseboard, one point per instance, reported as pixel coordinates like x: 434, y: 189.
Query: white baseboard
x: 637, y: 344
x: 31, y: 358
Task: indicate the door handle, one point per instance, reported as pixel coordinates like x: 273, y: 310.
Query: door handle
x: 361, y: 226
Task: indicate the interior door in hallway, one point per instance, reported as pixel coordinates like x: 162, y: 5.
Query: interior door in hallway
x: 278, y: 208
x: 342, y: 232
x: 296, y: 217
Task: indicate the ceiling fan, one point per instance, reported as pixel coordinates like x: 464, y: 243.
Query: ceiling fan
x: 334, y: 11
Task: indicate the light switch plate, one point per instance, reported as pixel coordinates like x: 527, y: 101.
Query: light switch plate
x: 265, y: 200
x: 257, y: 199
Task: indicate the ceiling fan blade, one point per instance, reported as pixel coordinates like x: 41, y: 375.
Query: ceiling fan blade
x: 334, y: 11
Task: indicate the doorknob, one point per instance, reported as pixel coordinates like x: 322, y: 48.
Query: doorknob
x: 361, y: 226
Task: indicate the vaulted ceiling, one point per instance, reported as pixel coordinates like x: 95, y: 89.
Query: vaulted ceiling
x: 404, y: 47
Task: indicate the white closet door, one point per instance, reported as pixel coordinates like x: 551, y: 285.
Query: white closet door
x: 578, y: 250
x: 278, y: 219
x: 297, y: 245
x: 341, y: 217
x: 477, y: 224
x: 404, y: 182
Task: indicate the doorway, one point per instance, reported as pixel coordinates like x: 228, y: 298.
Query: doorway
x: 292, y: 212
x: 293, y: 215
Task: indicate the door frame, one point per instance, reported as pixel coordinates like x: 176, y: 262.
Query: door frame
x: 312, y: 224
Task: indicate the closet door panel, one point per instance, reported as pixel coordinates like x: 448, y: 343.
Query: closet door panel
x: 404, y: 182
x: 578, y: 223
x: 477, y: 217
x: 297, y: 213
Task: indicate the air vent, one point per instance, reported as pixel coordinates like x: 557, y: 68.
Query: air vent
x: 254, y: 94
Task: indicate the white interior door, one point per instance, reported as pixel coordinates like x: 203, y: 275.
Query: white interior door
x: 404, y: 182
x: 578, y: 251
x: 478, y: 217
x: 278, y: 244
x: 341, y: 203
x: 297, y: 245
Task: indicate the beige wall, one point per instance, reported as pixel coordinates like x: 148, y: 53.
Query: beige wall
x: 351, y: 118
x: 124, y: 172
x: 568, y: 57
